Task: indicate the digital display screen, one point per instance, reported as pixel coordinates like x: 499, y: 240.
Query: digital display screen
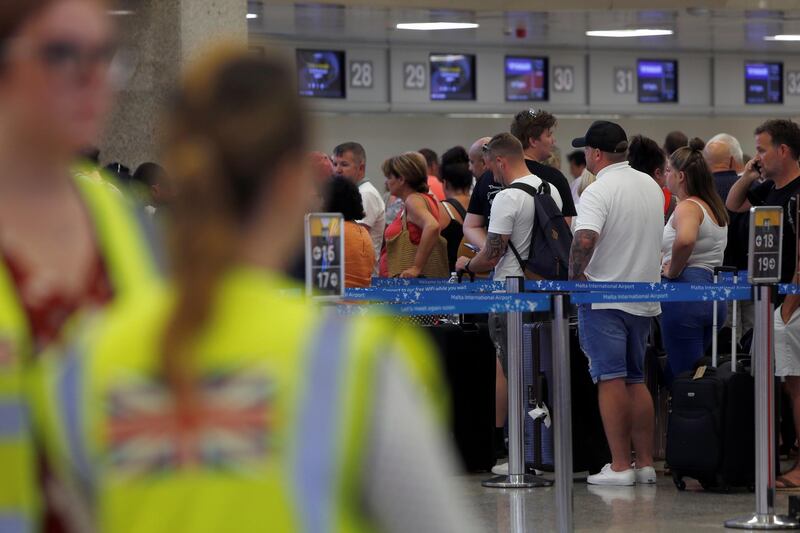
x: 763, y: 83
x: 658, y: 81
x: 452, y: 77
x: 526, y: 79
x: 320, y: 73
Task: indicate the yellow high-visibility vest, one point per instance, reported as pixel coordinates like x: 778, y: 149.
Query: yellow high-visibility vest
x: 284, y: 396
x: 130, y: 264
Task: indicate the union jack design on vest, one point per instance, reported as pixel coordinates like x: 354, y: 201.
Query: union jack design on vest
x: 230, y: 429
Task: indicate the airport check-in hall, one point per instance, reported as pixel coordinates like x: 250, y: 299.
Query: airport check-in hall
x: 370, y: 265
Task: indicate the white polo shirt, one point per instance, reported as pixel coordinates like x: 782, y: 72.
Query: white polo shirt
x: 512, y: 214
x: 375, y: 211
x: 626, y: 208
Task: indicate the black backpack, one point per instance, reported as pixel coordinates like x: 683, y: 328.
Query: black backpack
x: 551, y: 238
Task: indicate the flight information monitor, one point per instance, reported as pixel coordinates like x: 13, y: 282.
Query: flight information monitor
x: 320, y: 73
x: 452, y: 76
x: 763, y: 83
x: 526, y: 79
x: 658, y: 81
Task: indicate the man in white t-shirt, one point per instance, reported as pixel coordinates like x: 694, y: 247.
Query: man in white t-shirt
x: 618, y: 238
x: 349, y: 162
x: 511, y: 222
x: 512, y: 212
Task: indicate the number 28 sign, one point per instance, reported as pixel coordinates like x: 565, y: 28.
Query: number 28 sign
x: 325, y: 255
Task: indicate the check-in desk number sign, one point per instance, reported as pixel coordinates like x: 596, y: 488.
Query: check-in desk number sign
x: 325, y: 255
x: 766, y: 237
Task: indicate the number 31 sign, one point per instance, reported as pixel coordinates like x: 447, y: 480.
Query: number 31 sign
x: 325, y: 255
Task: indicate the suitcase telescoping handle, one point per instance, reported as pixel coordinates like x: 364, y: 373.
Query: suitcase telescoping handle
x: 461, y: 274
x: 714, y: 345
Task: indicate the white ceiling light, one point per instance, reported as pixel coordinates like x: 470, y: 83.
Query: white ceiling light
x: 639, y: 32
x: 431, y: 26
x: 784, y: 37
x: 251, y: 16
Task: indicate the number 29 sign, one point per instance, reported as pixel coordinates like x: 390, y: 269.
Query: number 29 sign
x: 325, y: 255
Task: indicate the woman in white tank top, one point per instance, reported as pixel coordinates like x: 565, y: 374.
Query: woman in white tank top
x: 693, y: 244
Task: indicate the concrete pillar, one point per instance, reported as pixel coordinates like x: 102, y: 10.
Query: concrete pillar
x: 160, y: 37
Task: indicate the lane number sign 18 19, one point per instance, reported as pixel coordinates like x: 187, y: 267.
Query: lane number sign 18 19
x: 325, y: 255
x: 766, y: 236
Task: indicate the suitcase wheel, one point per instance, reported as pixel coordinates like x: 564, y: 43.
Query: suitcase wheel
x: 712, y: 486
x: 679, y: 482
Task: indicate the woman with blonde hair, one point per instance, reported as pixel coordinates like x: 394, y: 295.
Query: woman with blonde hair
x: 414, y: 245
x: 223, y: 402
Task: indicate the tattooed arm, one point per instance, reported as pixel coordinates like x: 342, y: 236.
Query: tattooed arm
x: 489, y: 256
x: 583, y: 244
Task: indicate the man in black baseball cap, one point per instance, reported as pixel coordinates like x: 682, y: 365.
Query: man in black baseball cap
x: 605, y: 136
x: 618, y: 239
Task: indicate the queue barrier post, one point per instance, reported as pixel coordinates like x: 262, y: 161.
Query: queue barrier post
x: 764, y: 364
x: 562, y: 413
x: 516, y: 478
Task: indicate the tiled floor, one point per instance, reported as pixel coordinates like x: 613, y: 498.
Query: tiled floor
x: 640, y: 509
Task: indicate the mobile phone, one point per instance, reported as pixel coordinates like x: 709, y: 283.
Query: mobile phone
x: 472, y: 247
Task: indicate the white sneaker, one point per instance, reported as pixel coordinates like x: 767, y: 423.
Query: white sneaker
x: 502, y: 470
x: 646, y: 475
x: 609, y: 477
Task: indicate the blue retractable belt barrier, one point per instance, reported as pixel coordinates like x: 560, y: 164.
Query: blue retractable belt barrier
x: 451, y: 303
x: 401, y: 293
x: 692, y: 293
x: 414, y: 282
x: 788, y: 288
x: 409, y: 296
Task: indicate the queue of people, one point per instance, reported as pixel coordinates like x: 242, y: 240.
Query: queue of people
x: 696, y: 234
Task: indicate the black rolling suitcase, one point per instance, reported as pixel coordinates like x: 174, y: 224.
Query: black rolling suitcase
x: 654, y: 362
x: 589, y: 446
x: 711, y: 428
x: 468, y: 360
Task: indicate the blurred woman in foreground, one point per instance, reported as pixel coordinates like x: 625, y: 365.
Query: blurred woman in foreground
x: 222, y: 403
x: 66, y: 243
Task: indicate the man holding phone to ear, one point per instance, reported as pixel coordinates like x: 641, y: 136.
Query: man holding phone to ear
x: 776, y: 160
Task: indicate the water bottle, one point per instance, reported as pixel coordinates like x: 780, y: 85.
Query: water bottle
x: 455, y: 318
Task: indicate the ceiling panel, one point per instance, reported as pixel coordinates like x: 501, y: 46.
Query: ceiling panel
x: 696, y: 28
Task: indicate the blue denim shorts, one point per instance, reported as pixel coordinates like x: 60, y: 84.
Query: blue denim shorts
x: 614, y: 342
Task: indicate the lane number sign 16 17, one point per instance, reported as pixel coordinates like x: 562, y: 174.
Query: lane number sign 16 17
x: 766, y: 238
x: 325, y: 255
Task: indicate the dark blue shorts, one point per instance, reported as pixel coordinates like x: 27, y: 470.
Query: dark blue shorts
x: 614, y: 342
